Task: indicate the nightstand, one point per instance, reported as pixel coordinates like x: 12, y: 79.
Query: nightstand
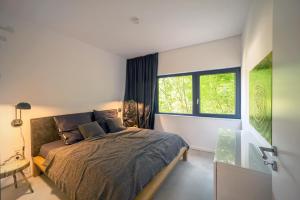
x: 12, y: 168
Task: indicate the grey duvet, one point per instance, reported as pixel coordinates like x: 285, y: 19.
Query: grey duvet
x: 114, y: 167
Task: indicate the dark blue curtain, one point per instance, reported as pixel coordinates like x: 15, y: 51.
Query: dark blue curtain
x: 139, y: 100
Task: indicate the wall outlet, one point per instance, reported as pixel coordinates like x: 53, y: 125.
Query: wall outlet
x: 18, y: 153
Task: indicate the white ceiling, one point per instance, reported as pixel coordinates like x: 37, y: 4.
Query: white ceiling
x: 164, y: 24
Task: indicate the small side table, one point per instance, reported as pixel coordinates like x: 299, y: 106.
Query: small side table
x: 10, y: 169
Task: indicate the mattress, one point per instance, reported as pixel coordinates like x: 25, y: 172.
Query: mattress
x: 46, y: 148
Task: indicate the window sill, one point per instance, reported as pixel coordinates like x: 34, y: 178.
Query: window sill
x: 199, y: 116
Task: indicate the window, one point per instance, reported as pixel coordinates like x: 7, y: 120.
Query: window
x: 214, y: 93
x: 176, y: 94
x: 217, y: 93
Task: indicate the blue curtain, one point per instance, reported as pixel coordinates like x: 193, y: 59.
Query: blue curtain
x: 139, y: 100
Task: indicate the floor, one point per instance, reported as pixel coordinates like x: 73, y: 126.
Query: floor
x: 191, y: 180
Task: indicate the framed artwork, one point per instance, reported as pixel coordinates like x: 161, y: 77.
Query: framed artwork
x: 260, y: 97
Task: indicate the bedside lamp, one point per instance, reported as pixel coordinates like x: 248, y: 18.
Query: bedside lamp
x: 17, y: 122
x: 21, y: 106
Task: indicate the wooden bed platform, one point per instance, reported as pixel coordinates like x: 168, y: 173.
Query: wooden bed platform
x: 150, y: 189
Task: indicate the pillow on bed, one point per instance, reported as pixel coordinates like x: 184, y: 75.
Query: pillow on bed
x: 68, y: 126
x: 102, y: 116
x: 91, y: 129
x: 115, y: 125
x: 71, y: 137
x: 71, y: 122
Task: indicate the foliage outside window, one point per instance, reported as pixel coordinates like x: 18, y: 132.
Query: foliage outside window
x: 217, y: 93
x: 214, y: 93
x: 175, y: 95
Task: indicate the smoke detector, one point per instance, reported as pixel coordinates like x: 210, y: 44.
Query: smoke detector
x: 135, y: 20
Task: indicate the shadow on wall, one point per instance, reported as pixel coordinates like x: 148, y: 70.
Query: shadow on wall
x: 163, y: 123
x: 199, y: 132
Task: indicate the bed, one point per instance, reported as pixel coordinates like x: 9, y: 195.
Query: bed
x: 130, y: 164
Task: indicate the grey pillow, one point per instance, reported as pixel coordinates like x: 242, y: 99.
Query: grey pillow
x: 71, y: 137
x: 92, y: 129
x: 71, y: 122
x: 103, y: 115
x: 115, y: 125
x: 68, y: 126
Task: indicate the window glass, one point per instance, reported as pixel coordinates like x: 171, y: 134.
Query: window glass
x: 218, y: 93
x: 175, y: 94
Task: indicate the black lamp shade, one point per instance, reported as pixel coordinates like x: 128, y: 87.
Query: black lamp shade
x: 23, y: 106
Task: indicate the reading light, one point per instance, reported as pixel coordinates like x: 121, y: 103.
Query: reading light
x: 17, y: 122
x: 21, y: 106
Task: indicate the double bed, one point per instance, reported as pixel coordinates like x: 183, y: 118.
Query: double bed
x: 128, y: 164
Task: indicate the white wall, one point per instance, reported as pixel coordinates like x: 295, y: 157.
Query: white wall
x: 199, y: 132
x: 56, y: 74
x: 257, y: 43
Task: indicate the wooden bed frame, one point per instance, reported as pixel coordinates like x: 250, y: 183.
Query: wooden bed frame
x: 42, y: 132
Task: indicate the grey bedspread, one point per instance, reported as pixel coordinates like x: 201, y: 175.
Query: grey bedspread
x: 114, y: 167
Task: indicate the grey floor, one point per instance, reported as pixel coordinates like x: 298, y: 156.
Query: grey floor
x: 191, y: 180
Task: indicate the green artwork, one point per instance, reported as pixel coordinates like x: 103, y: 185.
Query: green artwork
x: 261, y: 98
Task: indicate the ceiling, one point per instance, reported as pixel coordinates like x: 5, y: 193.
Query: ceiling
x: 163, y: 24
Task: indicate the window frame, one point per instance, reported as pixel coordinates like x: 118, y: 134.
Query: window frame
x: 196, y: 92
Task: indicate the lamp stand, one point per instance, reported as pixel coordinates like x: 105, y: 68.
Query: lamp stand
x: 17, y: 122
x: 23, y: 140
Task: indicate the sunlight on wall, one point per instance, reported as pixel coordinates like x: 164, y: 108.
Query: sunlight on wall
x: 56, y: 74
x: 10, y: 136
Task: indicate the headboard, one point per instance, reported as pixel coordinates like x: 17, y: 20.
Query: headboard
x: 44, y: 130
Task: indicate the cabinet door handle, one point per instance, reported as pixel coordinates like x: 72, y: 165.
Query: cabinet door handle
x: 264, y: 149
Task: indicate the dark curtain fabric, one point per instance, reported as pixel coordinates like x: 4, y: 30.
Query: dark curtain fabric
x: 139, y: 100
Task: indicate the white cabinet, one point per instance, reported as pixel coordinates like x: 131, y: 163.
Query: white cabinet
x: 239, y: 170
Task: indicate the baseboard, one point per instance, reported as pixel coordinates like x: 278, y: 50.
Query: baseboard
x: 202, y: 149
